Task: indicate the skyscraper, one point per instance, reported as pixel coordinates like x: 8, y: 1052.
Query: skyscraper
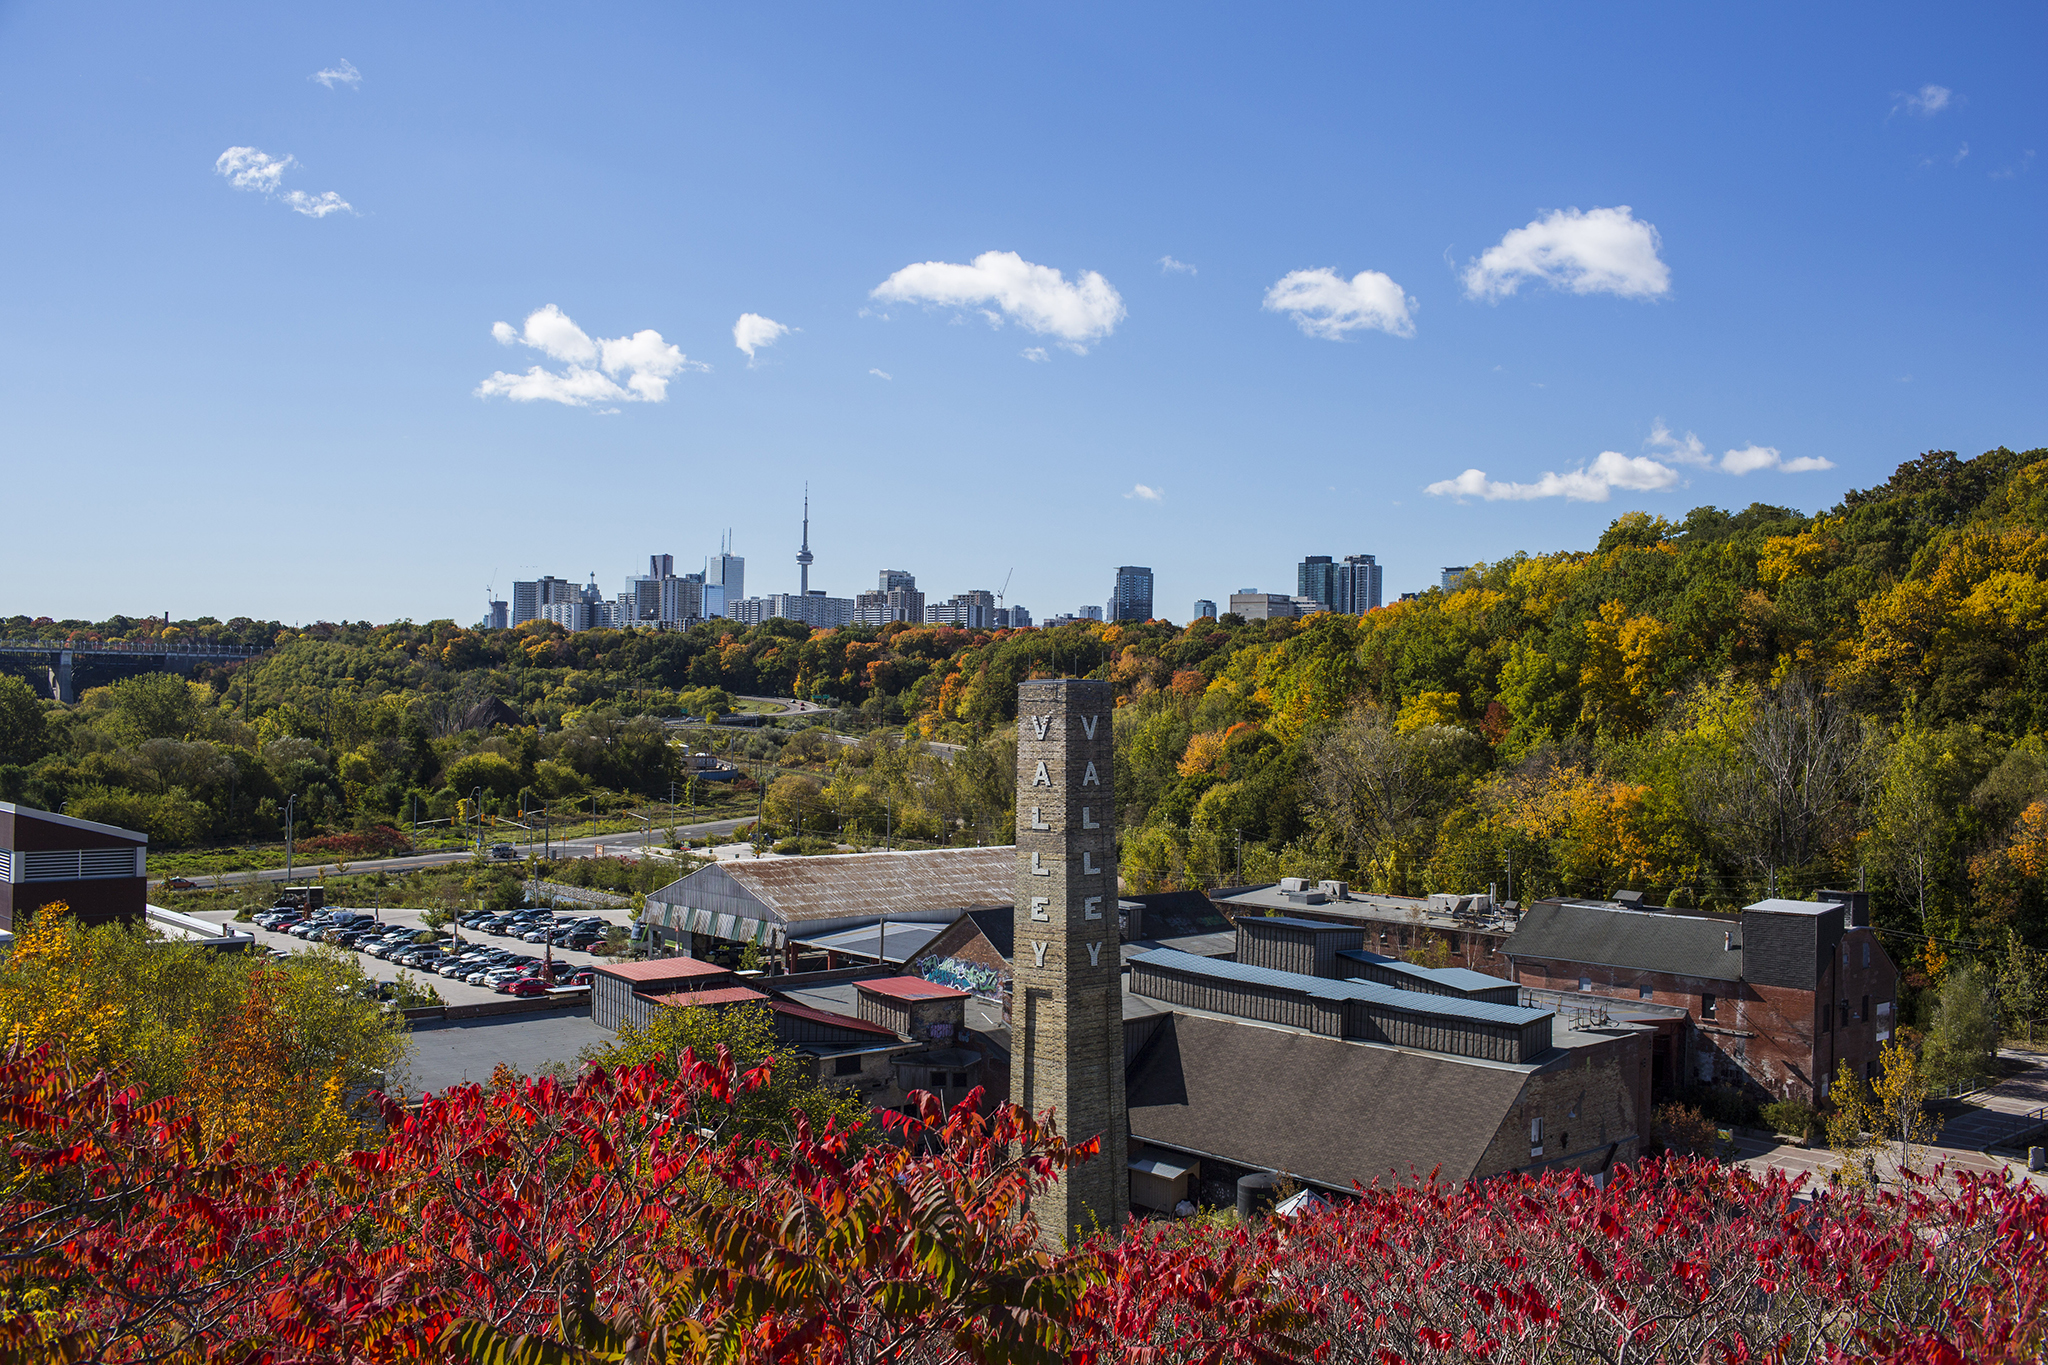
x: 1454, y: 576
x: 661, y: 566
x: 1131, y: 599
x: 1204, y: 609
x: 1357, y: 582
x: 1316, y: 577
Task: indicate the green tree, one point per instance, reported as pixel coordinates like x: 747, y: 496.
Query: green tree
x: 748, y: 1033
x: 1964, y: 1040
x: 21, y: 722
x: 2022, y: 982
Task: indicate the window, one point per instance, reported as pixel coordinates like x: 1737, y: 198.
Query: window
x: 1706, y: 1006
x: 1845, y: 1012
x: 1866, y: 1010
x: 846, y: 1065
x: 1827, y: 1017
x: 1866, y: 952
x: 959, y: 1080
x: 1585, y: 983
x: 1644, y: 992
x: 1536, y: 1136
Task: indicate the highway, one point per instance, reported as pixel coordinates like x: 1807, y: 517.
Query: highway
x: 582, y: 847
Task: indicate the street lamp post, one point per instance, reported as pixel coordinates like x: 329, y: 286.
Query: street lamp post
x: 290, y: 802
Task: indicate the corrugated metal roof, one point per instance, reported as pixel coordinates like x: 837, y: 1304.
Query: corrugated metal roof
x: 1315, y: 987
x: 909, y: 988
x: 716, y: 995
x: 1602, y: 935
x: 901, y: 943
x: 1457, y: 978
x: 662, y: 969
x: 855, y: 885
x: 830, y: 1019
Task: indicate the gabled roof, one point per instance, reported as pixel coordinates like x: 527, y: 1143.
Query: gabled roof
x: 1323, y: 1109
x: 794, y: 891
x: 1603, y: 935
x: 909, y: 988
x: 999, y: 926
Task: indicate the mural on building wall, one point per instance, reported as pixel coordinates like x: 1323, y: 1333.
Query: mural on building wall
x: 939, y: 1033
x: 961, y: 975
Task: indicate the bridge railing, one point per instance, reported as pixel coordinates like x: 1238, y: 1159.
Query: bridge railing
x: 201, y: 648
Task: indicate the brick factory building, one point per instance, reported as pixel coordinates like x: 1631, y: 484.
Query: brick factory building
x: 1771, y: 1000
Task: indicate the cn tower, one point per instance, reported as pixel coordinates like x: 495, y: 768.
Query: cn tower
x: 803, y: 556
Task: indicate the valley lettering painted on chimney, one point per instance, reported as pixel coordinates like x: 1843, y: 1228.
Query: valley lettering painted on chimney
x: 1067, y: 992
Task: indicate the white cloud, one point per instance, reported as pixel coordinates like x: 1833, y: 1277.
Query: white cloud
x: 643, y: 361
x: 248, y: 169
x: 881, y: 374
x: 1927, y: 101
x: 1169, y: 266
x: 345, y: 74
x: 1687, y: 450
x: 1036, y: 354
x: 1145, y: 493
x: 1962, y: 154
x: 753, y: 330
x: 1037, y: 296
x: 1325, y: 304
x: 317, y: 205
x: 1751, y: 458
x: 1603, y: 251
x: 1589, y: 483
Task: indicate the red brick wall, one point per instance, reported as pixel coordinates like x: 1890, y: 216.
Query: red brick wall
x: 1782, y: 1041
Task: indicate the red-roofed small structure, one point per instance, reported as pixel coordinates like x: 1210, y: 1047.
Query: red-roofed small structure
x: 915, y: 1008
x: 714, y: 995
x: 619, y: 990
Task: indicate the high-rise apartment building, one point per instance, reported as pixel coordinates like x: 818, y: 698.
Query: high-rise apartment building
x: 1316, y: 577
x: 892, y: 579
x: 1454, y: 576
x: 1357, y: 582
x: 499, y: 617
x: 529, y: 598
x: 1088, y: 614
x: 1205, y: 610
x: 661, y: 566
x: 974, y: 610
x: 1131, y: 598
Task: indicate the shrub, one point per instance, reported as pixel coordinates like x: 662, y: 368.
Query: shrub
x: 1682, y: 1128
x: 378, y: 841
x: 1790, y: 1116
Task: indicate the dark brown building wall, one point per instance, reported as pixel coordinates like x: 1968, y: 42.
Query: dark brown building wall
x: 101, y: 901
x: 1594, y: 1108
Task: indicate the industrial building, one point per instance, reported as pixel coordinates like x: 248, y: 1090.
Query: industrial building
x: 99, y: 871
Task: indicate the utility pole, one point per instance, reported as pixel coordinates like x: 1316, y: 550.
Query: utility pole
x: 289, y: 802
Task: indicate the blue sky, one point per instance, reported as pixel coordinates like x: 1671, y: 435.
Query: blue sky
x: 1804, y: 244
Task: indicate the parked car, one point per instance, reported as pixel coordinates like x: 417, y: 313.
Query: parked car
x: 503, y: 853
x: 582, y: 976
x: 524, y: 986
x: 182, y: 884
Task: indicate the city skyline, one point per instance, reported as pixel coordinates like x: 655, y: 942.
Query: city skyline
x: 513, y: 282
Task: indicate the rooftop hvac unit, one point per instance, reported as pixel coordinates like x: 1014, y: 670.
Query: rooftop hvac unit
x: 1336, y: 891
x: 1294, y: 883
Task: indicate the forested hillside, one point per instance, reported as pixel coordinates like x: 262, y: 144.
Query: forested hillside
x: 1707, y: 708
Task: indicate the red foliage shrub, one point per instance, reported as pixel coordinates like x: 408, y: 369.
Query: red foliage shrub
x: 604, y: 1218
x: 380, y: 841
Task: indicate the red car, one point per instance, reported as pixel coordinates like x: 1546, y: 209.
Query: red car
x: 182, y: 884
x: 525, y: 985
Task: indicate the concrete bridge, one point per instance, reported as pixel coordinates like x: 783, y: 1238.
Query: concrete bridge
x: 62, y: 662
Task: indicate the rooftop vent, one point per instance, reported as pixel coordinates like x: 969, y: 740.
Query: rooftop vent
x: 1634, y: 898
x: 1294, y: 883
x: 1336, y: 891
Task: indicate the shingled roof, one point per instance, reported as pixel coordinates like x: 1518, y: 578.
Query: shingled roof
x: 837, y: 890
x: 1325, y: 1110
x: 1604, y: 935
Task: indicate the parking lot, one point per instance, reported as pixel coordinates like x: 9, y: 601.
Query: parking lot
x: 452, y: 992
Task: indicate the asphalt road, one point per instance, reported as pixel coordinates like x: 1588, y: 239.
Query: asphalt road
x: 583, y: 847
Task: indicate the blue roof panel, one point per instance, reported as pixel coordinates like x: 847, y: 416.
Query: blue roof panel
x: 1317, y: 988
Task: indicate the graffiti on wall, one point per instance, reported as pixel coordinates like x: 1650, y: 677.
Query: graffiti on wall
x: 961, y: 975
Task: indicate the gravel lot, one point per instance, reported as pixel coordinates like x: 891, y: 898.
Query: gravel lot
x: 452, y: 992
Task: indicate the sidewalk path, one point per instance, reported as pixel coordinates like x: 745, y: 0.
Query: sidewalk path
x: 1991, y: 1116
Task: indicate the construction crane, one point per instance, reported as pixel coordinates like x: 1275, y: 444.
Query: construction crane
x: 1004, y: 589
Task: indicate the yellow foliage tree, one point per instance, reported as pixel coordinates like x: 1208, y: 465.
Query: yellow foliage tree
x: 1593, y: 823
x: 1619, y: 681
